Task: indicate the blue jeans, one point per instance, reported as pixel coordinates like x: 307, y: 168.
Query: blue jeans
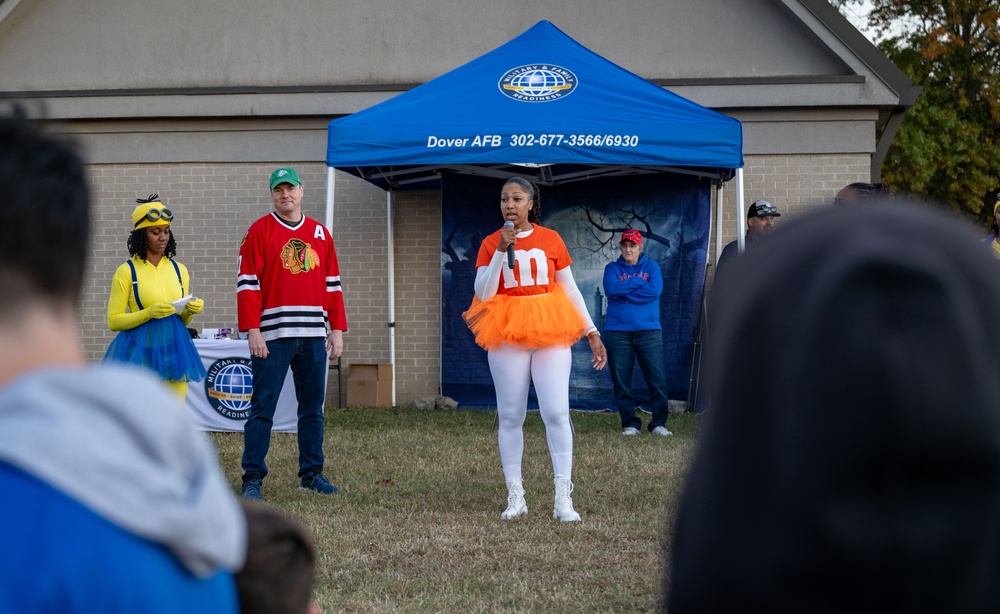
x: 307, y: 358
x: 624, y: 347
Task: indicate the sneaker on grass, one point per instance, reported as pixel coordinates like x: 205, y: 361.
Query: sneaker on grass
x: 662, y: 431
x: 630, y: 431
x: 318, y: 483
x: 251, y: 490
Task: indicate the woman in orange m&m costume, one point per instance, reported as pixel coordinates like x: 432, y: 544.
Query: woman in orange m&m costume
x: 527, y: 317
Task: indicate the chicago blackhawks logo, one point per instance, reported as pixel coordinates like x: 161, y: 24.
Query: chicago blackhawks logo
x: 298, y: 256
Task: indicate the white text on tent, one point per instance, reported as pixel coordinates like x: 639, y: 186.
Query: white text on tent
x: 485, y: 140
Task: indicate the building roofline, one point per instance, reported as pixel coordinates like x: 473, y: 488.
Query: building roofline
x: 398, y: 87
x: 863, y: 48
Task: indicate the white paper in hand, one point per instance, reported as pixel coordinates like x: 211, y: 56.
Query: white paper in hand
x: 182, y: 302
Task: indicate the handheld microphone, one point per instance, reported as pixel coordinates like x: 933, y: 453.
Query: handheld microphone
x: 510, y: 248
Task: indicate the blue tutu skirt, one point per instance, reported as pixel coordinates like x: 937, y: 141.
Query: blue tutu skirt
x: 163, y: 345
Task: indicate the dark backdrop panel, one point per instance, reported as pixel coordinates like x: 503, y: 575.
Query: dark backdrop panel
x: 672, y: 212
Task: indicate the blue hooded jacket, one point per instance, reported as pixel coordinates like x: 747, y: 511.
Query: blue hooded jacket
x: 633, y: 292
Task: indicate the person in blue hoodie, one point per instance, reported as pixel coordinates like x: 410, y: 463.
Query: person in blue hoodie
x: 112, y: 501
x: 632, y: 331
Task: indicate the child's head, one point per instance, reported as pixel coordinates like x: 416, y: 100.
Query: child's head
x: 280, y: 567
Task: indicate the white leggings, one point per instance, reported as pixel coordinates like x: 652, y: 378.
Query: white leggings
x: 513, y: 370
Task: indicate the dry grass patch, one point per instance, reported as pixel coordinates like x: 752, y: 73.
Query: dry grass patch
x: 417, y: 527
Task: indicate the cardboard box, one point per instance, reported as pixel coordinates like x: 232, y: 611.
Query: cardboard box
x: 369, y: 385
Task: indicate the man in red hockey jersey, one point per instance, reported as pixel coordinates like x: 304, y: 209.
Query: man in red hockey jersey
x: 290, y: 303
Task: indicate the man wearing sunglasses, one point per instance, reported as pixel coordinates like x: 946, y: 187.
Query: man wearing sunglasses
x: 760, y: 223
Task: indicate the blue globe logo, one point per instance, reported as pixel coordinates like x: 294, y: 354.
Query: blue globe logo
x: 538, y: 83
x: 229, y: 387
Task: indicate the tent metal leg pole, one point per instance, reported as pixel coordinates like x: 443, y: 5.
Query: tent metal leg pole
x: 696, y: 358
x: 331, y: 189
x: 718, y: 221
x: 392, y: 290
x: 741, y: 220
x: 692, y: 381
x: 696, y: 353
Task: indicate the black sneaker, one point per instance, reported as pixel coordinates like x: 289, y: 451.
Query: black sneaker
x: 318, y: 483
x: 251, y: 490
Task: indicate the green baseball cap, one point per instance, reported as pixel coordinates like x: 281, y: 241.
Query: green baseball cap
x: 285, y: 175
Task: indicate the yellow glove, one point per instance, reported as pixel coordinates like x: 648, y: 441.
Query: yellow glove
x: 162, y: 310
x: 195, y: 306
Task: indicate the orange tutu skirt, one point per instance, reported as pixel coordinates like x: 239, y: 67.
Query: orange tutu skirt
x: 530, y: 322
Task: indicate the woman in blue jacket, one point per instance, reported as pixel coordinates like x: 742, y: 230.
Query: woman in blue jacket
x: 632, y: 331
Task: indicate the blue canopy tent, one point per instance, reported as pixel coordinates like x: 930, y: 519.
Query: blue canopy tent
x: 541, y: 106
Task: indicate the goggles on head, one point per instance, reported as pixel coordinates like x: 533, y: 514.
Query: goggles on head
x: 155, y: 215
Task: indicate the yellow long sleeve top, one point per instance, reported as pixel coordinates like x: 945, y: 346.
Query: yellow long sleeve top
x: 157, y: 284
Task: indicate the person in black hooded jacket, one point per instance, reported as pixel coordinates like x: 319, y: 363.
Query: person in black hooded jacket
x: 851, y: 461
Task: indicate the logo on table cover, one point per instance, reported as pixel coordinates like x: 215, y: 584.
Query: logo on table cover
x: 229, y: 386
x: 538, y: 83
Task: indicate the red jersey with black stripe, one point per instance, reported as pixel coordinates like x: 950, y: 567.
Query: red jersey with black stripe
x: 289, y: 279
x: 537, y: 257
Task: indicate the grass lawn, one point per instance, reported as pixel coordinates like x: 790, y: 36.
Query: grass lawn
x: 416, y: 526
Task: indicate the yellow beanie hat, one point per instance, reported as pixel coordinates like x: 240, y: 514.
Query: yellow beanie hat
x: 151, y: 212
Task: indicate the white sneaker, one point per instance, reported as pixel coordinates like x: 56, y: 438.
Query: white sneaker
x: 515, y: 501
x: 630, y: 431
x: 563, y: 509
x: 662, y: 431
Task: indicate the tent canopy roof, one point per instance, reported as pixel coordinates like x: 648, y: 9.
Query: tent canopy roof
x: 541, y: 105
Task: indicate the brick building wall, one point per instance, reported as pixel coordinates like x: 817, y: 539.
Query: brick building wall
x: 795, y: 184
x: 418, y: 295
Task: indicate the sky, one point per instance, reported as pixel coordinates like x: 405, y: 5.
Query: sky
x: 858, y: 15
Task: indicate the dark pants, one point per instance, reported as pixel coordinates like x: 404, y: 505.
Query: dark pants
x: 624, y: 348
x: 307, y: 358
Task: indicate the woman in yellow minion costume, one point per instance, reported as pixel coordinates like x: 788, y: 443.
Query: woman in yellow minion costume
x: 151, y: 332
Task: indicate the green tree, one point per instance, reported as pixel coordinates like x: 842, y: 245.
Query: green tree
x: 948, y: 146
